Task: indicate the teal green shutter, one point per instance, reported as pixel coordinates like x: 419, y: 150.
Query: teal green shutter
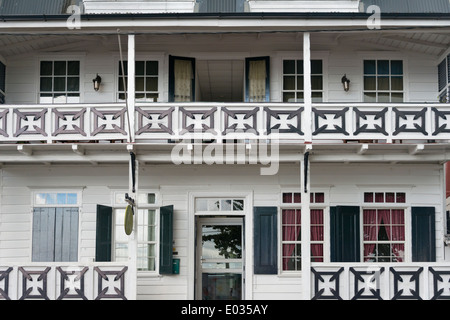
x: 345, y: 234
x: 265, y: 240
x: 2, y: 83
x: 423, y: 234
x: 166, y: 240
x: 103, y: 240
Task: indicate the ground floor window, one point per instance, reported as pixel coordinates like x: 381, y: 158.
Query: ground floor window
x: 147, y: 239
x: 384, y: 227
x: 55, y: 227
x: 291, y: 230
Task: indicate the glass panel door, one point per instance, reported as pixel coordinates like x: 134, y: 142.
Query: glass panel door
x: 220, y: 261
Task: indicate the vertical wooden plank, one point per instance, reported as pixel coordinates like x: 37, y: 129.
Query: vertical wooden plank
x: 43, y: 234
x: 166, y: 240
x: 74, y: 217
x: 59, y: 234
x: 131, y: 94
x: 36, y: 234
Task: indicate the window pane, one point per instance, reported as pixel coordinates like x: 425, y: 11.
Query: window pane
x: 151, y: 84
x: 60, y: 68
x: 369, y: 67
x: 316, y: 97
x: 397, y: 97
x: 383, y: 97
x: 369, y: 83
x: 397, y: 83
x: 299, y: 66
x: 140, y: 68
x: 316, y: 83
x: 46, y: 84
x: 383, y: 66
x: 289, y: 83
x: 61, y: 198
x: 73, y: 84
x: 125, y: 68
x: 370, y: 97
x: 300, y: 83
x: 71, y: 198
x: 396, y: 67
x: 383, y: 83
x: 152, y: 68
x: 73, y: 68
x: 288, y: 97
x: 59, y: 84
x: 289, y: 66
x: 140, y: 84
x: 46, y: 68
x: 316, y: 66
x: 238, y: 205
x: 225, y: 205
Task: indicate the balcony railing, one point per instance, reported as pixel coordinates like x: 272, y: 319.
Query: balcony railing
x: 222, y: 121
x: 63, y: 281
x: 383, y: 281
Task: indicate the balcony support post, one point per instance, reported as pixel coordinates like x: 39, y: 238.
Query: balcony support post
x: 306, y: 223
x: 131, y: 94
x: 133, y: 237
x: 307, y: 87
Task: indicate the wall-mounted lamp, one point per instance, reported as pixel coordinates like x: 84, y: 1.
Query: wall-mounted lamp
x: 97, y: 82
x: 345, y: 83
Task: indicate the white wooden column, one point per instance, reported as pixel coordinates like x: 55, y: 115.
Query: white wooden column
x: 306, y: 225
x: 307, y: 87
x: 305, y: 171
x: 131, y: 94
x: 133, y: 237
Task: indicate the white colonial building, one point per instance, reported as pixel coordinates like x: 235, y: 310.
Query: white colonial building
x: 239, y: 150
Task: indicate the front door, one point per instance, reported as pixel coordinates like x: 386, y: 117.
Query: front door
x: 219, y: 259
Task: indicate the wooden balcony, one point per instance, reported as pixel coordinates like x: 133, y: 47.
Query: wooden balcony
x: 65, y: 281
x: 382, y: 281
x: 153, y: 122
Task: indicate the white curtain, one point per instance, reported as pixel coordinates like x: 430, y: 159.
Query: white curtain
x: 257, y: 81
x: 183, y: 80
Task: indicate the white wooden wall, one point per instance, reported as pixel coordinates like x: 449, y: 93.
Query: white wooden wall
x: 343, y: 183
x: 420, y: 71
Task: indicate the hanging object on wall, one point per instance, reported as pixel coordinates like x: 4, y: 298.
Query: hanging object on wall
x: 128, y: 223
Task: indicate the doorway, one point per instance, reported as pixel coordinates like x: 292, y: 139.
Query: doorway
x: 220, y: 258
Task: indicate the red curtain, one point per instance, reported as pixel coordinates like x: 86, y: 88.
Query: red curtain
x: 393, y: 221
x: 317, y: 233
x: 291, y: 230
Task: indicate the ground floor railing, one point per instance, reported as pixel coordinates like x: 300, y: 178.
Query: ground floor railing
x: 63, y: 281
x: 390, y: 281
x: 386, y: 122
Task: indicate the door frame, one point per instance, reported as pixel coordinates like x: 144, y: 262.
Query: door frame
x: 217, y: 221
x: 247, y: 217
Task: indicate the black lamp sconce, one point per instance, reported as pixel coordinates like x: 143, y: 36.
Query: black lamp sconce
x: 346, y: 83
x: 97, y: 81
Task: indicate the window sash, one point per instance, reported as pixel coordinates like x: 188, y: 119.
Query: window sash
x: 383, y: 81
x: 59, y: 81
x: 147, y: 87
x: 293, y: 80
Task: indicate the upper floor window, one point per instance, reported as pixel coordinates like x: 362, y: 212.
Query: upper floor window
x: 147, y: 81
x: 59, y: 81
x: 2, y: 83
x: 444, y: 80
x: 293, y: 81
x: 383, y: 81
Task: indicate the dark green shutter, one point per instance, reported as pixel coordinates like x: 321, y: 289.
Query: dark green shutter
x: 265, y: 240
x: 423, y: 234
x: 103, y: 240
x: 345, y: 234
x: 166, y: 240
x: 2, y: 83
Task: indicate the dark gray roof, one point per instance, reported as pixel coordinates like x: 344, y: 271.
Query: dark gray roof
x: 409, y: 6
x: 35, y: 7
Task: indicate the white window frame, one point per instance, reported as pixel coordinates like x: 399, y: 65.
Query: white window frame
x: 159, y: 57
x: 34, y: 204
x: 288, y: 55
x: 325, y: 206
x: 62, y: 57
x: 391, y: 55
x: 406, y: 206
x: 120, y: 194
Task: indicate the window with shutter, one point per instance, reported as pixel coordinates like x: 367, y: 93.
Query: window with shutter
x: 423, y: 234
x: 265, y: 240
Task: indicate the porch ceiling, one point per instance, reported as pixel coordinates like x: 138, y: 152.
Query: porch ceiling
x: 96, y: 154
x: 430, y: 42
